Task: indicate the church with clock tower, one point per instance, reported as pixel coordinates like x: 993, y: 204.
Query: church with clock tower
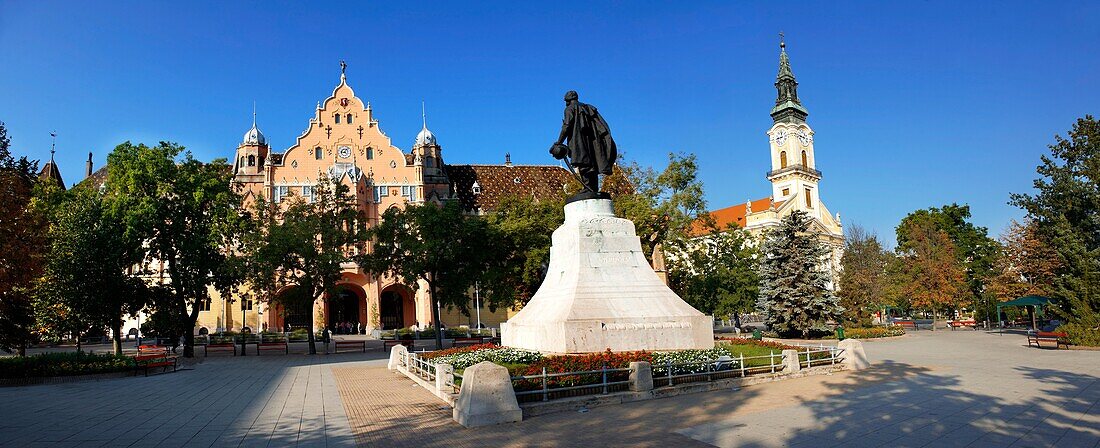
x: 795, y: 179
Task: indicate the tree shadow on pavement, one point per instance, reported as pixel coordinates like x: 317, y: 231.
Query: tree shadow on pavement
x: 927, y: 408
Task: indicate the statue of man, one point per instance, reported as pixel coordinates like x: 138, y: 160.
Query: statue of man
x: 590, y: 149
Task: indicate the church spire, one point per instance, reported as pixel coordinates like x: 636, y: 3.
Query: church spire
x: 787, y: 106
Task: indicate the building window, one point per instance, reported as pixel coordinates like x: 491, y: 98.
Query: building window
x: 804, y: 163
x: 251, y: 160
x: 204, y: 305
x: 242, y: 161
x: 247, y: 305
x: 786, y: 192
x: 318, y: 153
x: 337, y: 118
x: 409, y: 192
x: 809, y: 199
x: 349, y: 118
x: 279, y: 193
x: 370, y: 153
x: 782, y: 159
x: 307, y: 193
x: 380, y: 192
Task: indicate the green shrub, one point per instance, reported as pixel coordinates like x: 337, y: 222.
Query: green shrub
x: 1081, y: 334
x: 871, y: 333
x: 63, y: 364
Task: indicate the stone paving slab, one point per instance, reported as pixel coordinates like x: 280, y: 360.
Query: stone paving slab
x: 287, y: 400
x: 929, y: 389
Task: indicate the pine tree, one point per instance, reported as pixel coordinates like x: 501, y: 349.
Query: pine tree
x: 794, y: 294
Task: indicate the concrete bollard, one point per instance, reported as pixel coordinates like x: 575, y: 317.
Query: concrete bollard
x: 854, y: 356
x: 641, y: 376
x: 397, y: 353
x: 486, y: 397
x: 444, y: 375
x: 790, y: 361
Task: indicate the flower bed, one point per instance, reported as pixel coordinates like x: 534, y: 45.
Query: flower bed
x: 63, y: 364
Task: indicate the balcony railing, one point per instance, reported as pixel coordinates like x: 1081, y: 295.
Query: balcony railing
x: 795, y: 167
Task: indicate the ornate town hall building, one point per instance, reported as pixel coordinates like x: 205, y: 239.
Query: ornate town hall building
x: 343, y: 141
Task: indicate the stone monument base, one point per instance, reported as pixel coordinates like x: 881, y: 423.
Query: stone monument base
x: 600, y: 293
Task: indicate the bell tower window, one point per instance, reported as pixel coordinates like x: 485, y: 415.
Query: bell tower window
x: 809, y: 199
x: 804, y: 163
x: 251, y: 160
x: 782, y: 159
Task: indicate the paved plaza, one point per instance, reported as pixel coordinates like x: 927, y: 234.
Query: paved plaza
x: 963, y: 388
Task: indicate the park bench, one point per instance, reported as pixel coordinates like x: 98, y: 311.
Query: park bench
x: 1036, y: 337
x: 906, y: 324
x: 349, y: 346
x: 282, y: 346
x: 468, y: 341
x: 220, y: 347
x: 387, y: 344
x: 964, y: 323
x: 152, y: 356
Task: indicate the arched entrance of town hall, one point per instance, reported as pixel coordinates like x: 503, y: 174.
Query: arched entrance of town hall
x: 294, y: 309
x: 343, y: 308
x: 398, y: 309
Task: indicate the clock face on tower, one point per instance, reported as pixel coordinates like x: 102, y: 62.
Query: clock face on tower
x: 803, y: 138
x: 344, y: 152
x: 781, y: 138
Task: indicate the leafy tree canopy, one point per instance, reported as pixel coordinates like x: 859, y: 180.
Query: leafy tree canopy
x: 716, y: 274
x: 863, y: 280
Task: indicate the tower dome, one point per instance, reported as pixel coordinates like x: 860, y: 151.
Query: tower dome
x: 254, y: 136
x: 425, y: 137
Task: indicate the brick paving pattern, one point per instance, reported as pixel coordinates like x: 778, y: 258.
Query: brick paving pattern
x: 387, y: 409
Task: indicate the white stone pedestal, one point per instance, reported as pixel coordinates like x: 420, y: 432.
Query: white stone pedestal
x: 600, y: 293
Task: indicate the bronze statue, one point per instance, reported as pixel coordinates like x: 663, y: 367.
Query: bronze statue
x: 590, y: 151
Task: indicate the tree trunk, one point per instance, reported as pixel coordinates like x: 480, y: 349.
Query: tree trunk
x: 189, y: 331
x: 78, y: 349
x: 312, y: 322
x: 23, y: 349
x: 116, y: 339
x: 737, y: 320
x: 435, y: 318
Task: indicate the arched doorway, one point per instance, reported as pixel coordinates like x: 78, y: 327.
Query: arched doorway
x: 343, y: 307
x: 393, y: 315
x: 295, y: 308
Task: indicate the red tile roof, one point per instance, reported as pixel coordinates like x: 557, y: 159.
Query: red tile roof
x: 544, y: 182
x: 733, y: 215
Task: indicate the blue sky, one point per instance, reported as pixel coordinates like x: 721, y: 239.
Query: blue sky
x: 914, y: 104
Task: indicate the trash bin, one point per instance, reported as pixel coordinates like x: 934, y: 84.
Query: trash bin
x: 839, y: 333
x: 756, y: 334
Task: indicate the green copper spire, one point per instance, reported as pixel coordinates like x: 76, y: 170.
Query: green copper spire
x: 787, y: 107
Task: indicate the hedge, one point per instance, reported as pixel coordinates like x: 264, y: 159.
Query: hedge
x: 63, y: 364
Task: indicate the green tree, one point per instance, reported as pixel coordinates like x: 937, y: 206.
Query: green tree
x: 863, y: 279
x: 663, y: 206
x: 523, y: 227
x: 187, y: 215
x: 86, y: 283
x: 975, y: 251
x: 440, y: 245
x: 1064, y: 208
x: 716, y: 274
x: 794, y: 283
x: 22, y: 243
x: 303, y: 245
